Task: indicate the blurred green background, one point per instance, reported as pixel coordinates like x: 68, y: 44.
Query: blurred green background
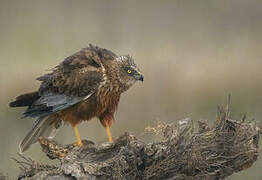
x: 192, y: 54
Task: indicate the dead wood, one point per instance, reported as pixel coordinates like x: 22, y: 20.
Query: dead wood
x: 181, y: 153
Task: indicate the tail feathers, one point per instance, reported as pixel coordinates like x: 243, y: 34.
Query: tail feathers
x: 46, y: 127
x: 25, y: 100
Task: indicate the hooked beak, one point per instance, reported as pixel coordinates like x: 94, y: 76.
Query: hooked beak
x: 139, y: 77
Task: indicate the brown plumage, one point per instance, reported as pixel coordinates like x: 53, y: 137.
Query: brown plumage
x: 85, y: 85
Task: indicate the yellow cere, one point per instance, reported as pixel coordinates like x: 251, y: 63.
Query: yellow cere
x: 128, y: 71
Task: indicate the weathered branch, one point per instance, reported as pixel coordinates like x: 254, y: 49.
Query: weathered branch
x: 209, y: 153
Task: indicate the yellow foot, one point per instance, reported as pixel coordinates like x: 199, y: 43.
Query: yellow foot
x: 78, y: 142
x: 110, y: 139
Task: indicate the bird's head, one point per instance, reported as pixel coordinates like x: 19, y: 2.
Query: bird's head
x: 129, y: 71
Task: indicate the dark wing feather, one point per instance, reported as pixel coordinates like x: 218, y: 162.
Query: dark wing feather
x: 51, y: 103
x: 25, y: 100
x: 75, y: 79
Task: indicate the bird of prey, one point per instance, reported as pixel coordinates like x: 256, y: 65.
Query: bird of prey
x: 85, y: 85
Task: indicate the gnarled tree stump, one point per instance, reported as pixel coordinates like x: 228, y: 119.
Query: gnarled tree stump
x: 181, y: 153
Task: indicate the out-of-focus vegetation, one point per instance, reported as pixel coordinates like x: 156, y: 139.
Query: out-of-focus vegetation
x: 192, y: 54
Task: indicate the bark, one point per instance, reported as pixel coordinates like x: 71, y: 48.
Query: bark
x: 179, y: 152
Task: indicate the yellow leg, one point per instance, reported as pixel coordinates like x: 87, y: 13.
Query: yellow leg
x: 78, y: 142
x: 109, y: 134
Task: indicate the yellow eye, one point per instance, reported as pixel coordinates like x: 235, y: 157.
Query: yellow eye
x: 129, y: 71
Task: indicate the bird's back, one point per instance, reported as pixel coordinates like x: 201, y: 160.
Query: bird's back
x: 73, y: 80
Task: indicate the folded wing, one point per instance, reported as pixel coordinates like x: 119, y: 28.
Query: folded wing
x: 73, y: 80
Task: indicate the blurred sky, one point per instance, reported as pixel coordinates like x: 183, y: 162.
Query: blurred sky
x: 192, y: 53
